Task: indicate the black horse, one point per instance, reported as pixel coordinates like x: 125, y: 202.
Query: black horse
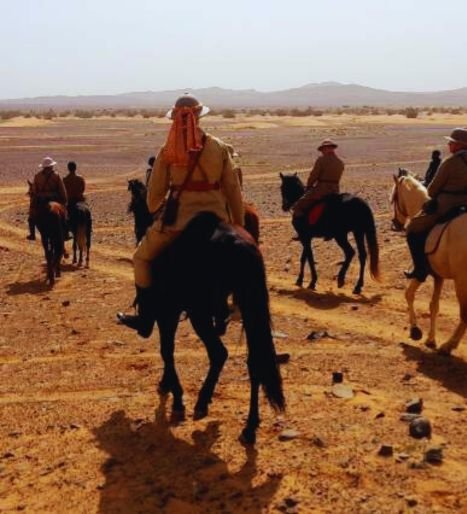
x: 139, y: 208
x: 209, y: 261
x: 80, y: 224
x: 343, y: 213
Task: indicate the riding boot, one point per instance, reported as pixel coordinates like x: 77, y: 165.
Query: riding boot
x: 32, y: 230
x: 416, y: 242
x: 143, y: 322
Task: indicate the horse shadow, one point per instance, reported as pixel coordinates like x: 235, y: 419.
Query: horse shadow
x: 450, y: 371
x: 36, y: 286
x: 329, y: 300
x: 150, y: 470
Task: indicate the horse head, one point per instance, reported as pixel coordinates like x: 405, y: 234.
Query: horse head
x: 292, y: 189
x: 408, y: 196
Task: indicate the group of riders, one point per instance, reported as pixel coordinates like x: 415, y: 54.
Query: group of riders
x: 194, y: 172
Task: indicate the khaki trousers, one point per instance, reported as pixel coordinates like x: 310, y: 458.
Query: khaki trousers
x: 152, y: 244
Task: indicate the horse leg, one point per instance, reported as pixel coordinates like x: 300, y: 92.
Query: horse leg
x: 415, y: 332
x: 88, y: 240
x: 360, y: 241
x: 311, y: 263
x: 217, y: 354
x: 299, y: 281
x: 248, y: 435
x: 349, y: 253
x: 434, y: 309
x: 75, y: 245
x: 456, y: 337
x: 170, y: 383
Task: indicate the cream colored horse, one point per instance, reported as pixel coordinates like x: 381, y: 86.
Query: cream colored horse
x: 447, y: 258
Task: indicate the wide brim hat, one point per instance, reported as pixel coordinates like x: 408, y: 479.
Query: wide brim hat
x: 458, y: 135
x: 47, y: 162
x: 328, y: 143
x: 188, y: 100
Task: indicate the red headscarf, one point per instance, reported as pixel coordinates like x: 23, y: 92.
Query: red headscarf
x: 184, y: 136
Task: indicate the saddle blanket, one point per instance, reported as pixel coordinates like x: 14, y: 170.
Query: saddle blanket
x: 315, y: 213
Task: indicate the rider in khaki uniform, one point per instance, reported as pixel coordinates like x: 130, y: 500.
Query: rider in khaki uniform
x: 447, y: 190
x: 323, y: 180
x: 213, y: 187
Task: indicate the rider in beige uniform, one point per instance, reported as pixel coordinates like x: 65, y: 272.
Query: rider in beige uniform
x: 447, y: 190
x: 213, y: 187
x: 323, y: 180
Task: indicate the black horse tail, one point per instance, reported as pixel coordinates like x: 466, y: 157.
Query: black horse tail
x: 373, y: 248
x: 251, y: 295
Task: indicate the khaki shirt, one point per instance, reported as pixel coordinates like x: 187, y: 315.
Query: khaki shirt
x: 49, y: 184
x: 325, y: 176
x: 216, y: 162
x: 75, y: 186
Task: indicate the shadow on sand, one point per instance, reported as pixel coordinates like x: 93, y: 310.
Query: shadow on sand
x: 328, y: 300
x: 450, y: 372
x: 149, y: 470
x: 36, y: 286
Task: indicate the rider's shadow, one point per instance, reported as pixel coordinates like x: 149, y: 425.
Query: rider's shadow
x: 150, y: 471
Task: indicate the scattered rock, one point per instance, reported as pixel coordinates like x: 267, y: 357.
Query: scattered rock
x: 434, y: 455
x: 282, y: 358
x: 411, y: 501
x: 342, y: 391
x: 66, y: 303
x: 407, y: 377
x: 414, y: 406
x: 420, y: 427
x: 318, y: 442
x: 380, y: 415
x: 75, y: 426
x: 279, y: 335
x: 354, y: 307
x: 337, y: 377
x: 14, y: 434
x: 315, y: 335
x: 289, y: 434
x: 8, y: 455
x: 118, y: 343
x: 406, y: 416
x: 74, y: 332
x: 400, y: 457
x: 386, y: 450
x: 458, y: 408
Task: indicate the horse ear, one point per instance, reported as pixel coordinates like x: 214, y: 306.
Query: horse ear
x: 295, y: 174
x: 281, y: 175
x: 29, y: 182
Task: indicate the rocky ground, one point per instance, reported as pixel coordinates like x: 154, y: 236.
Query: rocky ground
x: 81, y: 426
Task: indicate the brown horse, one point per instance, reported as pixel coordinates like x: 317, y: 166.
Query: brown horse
x: 447, y: 255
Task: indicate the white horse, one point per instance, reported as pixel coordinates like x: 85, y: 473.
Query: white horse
x: 447, y: 255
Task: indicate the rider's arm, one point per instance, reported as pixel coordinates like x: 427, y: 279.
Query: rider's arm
x: 314, y: 173
x: 440, y: 179
x: 159, y: 182
x: 231, y: 188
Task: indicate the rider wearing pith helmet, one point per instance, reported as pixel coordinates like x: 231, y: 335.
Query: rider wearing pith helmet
x: 196, y: 170
x: 447, y: 190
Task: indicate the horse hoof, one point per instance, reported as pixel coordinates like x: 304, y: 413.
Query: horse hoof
x: 177, y: 416
x: 299, y: 283
x: 247, y: 437
x: 430, y: 344
x: 312, y: 286
x: 415, y: 334
x: 200, y: 414
x: 163, y: 389
x: 357, y: 290
x: 340, y: 282
x: 445, y: 351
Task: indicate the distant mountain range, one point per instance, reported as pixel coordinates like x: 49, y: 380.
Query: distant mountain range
x: 325, y: 94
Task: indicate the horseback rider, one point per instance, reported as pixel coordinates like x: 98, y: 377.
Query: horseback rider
x: 75, y: 185
x: 196, y: 169
x: 447, y: 190
x: 323, y: 180
x: 151, y: 162
x: 432, y: 167
x: 48, y: 185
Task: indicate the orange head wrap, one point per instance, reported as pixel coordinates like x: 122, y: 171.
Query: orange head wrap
x: 184, y: 136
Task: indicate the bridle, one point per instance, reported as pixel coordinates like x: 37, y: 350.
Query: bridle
x: 399, y: 211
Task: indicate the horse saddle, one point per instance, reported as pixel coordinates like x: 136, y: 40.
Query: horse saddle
x: 437, y: 231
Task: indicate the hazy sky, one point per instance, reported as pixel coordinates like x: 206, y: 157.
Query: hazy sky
x: 50, y: 47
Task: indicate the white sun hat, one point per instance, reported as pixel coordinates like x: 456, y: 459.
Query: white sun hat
x: 47, y: 162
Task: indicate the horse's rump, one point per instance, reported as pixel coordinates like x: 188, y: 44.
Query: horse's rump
x: 252, y: 221
x: 433, y: 240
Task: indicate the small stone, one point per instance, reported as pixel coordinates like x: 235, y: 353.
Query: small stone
x: 74, y: 332
x: 354, y: 307
x: 342, y: 391
x: 434, y: 455
x: 118, y: 343
x: 407, y: 377
x: 282, y: 358
x: 75, y: 426
x: 279, y: 335
x: 288, y: 435
x: 8, y: 455
x: 420, y: 427
x: 411, y: 502
x: 337, y: 377
x: 386, y: 450
x: 291, y: 502
x: 400, y: 457
x: 380, y: 415
x: 406, y: 416
x: 318, y: 442
x: 414, y: 406
x: 458, y: 408
x: 314, y: 335
x: 66, y: 303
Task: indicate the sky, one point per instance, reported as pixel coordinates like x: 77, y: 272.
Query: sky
x: 50, y: 47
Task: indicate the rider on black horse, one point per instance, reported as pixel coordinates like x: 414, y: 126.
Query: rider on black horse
x: 323, y: 180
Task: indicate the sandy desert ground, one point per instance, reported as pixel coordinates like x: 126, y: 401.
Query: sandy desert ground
x: 82, y: 429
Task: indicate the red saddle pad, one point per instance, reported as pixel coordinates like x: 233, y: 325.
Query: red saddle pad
x: 315, y: 214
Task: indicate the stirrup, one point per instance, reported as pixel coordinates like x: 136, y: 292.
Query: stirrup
x: 416, y: 274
